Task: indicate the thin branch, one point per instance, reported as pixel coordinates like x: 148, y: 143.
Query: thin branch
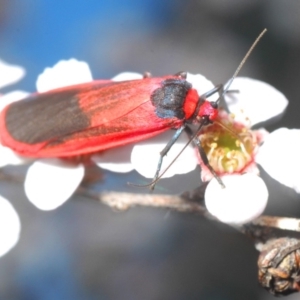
x: 282, y: 223
x: 191, y: 202
x: 124, y: 201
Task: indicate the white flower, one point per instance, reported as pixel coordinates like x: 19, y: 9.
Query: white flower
x: 230, y: 146
x: 255, y: 102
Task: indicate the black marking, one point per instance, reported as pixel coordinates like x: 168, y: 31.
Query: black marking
x: 45, y: 117
x: 169, y: 99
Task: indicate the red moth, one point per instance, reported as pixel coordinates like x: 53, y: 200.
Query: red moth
x: 96, y: 116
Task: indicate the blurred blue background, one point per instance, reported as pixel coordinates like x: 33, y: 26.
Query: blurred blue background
x: 84, y: 250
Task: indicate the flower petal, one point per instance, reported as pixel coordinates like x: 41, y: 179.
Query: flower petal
x: 202, y: 85
x: 10, y: 226
x: 64, y: 73
x: 255, y: 100
x: 115, y: 160
x: 279, y: 156
x: 243, y: 199
x: 11, y: 97
x: 49, y: 183
x: 145, y: 156
x: 127, y: 76
x: 10, y: 73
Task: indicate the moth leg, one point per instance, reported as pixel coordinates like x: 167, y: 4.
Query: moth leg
x: 164, y: 152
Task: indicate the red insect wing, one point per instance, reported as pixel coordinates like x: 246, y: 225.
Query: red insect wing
x: 114, y: 101
x: 83, y: 118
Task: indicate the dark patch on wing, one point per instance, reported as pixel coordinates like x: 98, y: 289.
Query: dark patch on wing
x: 46, y: 116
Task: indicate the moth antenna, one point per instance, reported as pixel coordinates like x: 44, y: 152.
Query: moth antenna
x: 243, y: 61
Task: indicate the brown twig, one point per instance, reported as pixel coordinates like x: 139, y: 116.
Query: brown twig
x: 124, y: 201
